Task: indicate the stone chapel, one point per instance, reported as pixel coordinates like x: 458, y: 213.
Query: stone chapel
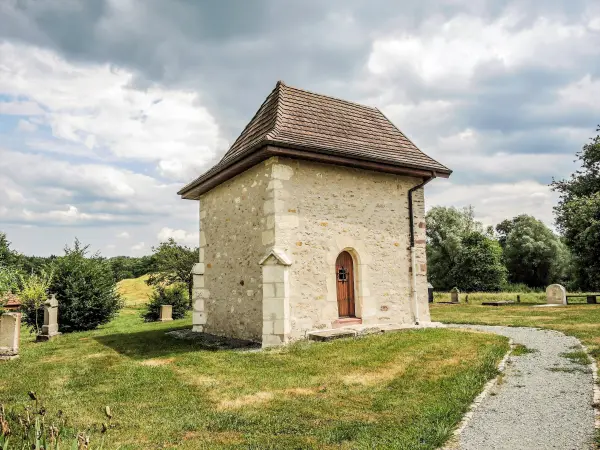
x: 314, y: 219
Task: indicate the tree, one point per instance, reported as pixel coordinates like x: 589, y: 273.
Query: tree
x: 8, y: 257
x: 33, y: 294
x: 129, y: 267
x: 478, y: 265
x: 85, y: 288
x: 460, y: 253
x: 533, y: 254
x: 173, y: 264
x: 578, y: 214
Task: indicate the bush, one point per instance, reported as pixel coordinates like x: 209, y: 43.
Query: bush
x: 85, y: 289
x: 33, y: 294
x: 175, y: 295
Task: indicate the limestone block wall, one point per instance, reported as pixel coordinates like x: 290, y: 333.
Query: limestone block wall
x: 228, y: 279
x: 322, y: 209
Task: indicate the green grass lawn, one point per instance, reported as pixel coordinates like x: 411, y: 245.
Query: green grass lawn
x: 581, y: 321
x: 399, y: 390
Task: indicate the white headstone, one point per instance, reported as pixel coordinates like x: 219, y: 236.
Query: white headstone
x: 556, y: 295
x: 10, y: 332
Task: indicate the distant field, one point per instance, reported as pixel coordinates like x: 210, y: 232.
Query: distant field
x: 477, y: 298
x: 134, y: 291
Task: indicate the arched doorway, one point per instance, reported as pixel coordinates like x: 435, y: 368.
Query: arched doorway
x: 344, y: 270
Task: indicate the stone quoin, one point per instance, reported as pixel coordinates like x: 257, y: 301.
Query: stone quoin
x: 306, y: 224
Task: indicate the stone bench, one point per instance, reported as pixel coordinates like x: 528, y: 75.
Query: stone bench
x: 591, y: 298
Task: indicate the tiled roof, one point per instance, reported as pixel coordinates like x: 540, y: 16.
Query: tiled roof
x: 295, y: 118
x: 10, y: 301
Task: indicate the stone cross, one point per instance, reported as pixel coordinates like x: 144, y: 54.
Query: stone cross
x: 556, y: 295
x: 166, y: 313
x: 10, y: 333
x: 50, y: 327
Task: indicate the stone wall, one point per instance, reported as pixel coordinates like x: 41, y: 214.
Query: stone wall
x: 228, y: 294
x: 308, y: 213
x: 321, y: 210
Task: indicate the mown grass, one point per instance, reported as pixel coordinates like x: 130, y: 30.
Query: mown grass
x: 134, y: 291
x: 405, y: 390
x: 581, y: 321
x: 480, y: 297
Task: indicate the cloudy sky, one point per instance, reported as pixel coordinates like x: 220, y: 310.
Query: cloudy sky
x: 107, y: 107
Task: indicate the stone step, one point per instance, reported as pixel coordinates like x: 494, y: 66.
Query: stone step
x: 330, y: 335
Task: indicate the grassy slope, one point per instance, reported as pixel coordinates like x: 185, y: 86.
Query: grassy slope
x: 581, y: 321
x: 405, y: 390
x: 134, y: 291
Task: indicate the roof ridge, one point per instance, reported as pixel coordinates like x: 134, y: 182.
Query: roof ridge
x: 251, y: 122
x: 273, y: 131
x: 337, y: 99
x: 407, y: 138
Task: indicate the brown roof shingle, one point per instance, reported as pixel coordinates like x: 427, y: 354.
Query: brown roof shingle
x: 295, y: 118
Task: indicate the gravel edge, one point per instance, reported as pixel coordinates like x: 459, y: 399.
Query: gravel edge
x: 596, y: 403
x: 452, y: 443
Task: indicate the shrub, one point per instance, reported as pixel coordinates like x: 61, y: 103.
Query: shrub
x: 8, y: 284
x: 85, y: 289
x: 175, y: 295
x: 33, y: 294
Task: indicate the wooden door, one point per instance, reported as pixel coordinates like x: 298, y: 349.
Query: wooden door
x: 344, y: 273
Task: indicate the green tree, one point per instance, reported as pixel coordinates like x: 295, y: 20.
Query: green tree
x: 172, y: 263
x: 578, y: 215
x: 533, y: 254
x: 8, y: 257
x: 33, y: 294
x: 460, y: 253
x: 85, y: 288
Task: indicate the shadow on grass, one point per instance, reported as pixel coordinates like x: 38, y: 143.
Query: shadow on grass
x: 170, y: 341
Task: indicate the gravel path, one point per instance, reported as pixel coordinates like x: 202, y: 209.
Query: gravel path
x: 543, y: 400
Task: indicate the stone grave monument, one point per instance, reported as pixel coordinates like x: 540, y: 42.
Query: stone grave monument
x: 454, y: 293
x: 166, y: 313
x: 556, y: 295
x: 10, y: 333
x: 50, y: 327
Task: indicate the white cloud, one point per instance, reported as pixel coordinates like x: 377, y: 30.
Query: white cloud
x: 449, y: 51
x: 139, y: 246
x: 181, y: 236
x: 26, y: 126
x: 54, y: 192
x: 581, y: 94
x: 495, y: 202
x: 20, y: 108
x: 97, y: 108
x: 123, y: 235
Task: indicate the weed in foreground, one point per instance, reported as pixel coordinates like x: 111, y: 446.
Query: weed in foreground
x: 33, y: 427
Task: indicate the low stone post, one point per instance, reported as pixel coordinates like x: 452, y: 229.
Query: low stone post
x: 10, y: 334
x: 276, y: 298
x: 556, y: 295
x: 50, y: 327
x: 166, y: 313
x: 454, y: 293
x: 199, y: 296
